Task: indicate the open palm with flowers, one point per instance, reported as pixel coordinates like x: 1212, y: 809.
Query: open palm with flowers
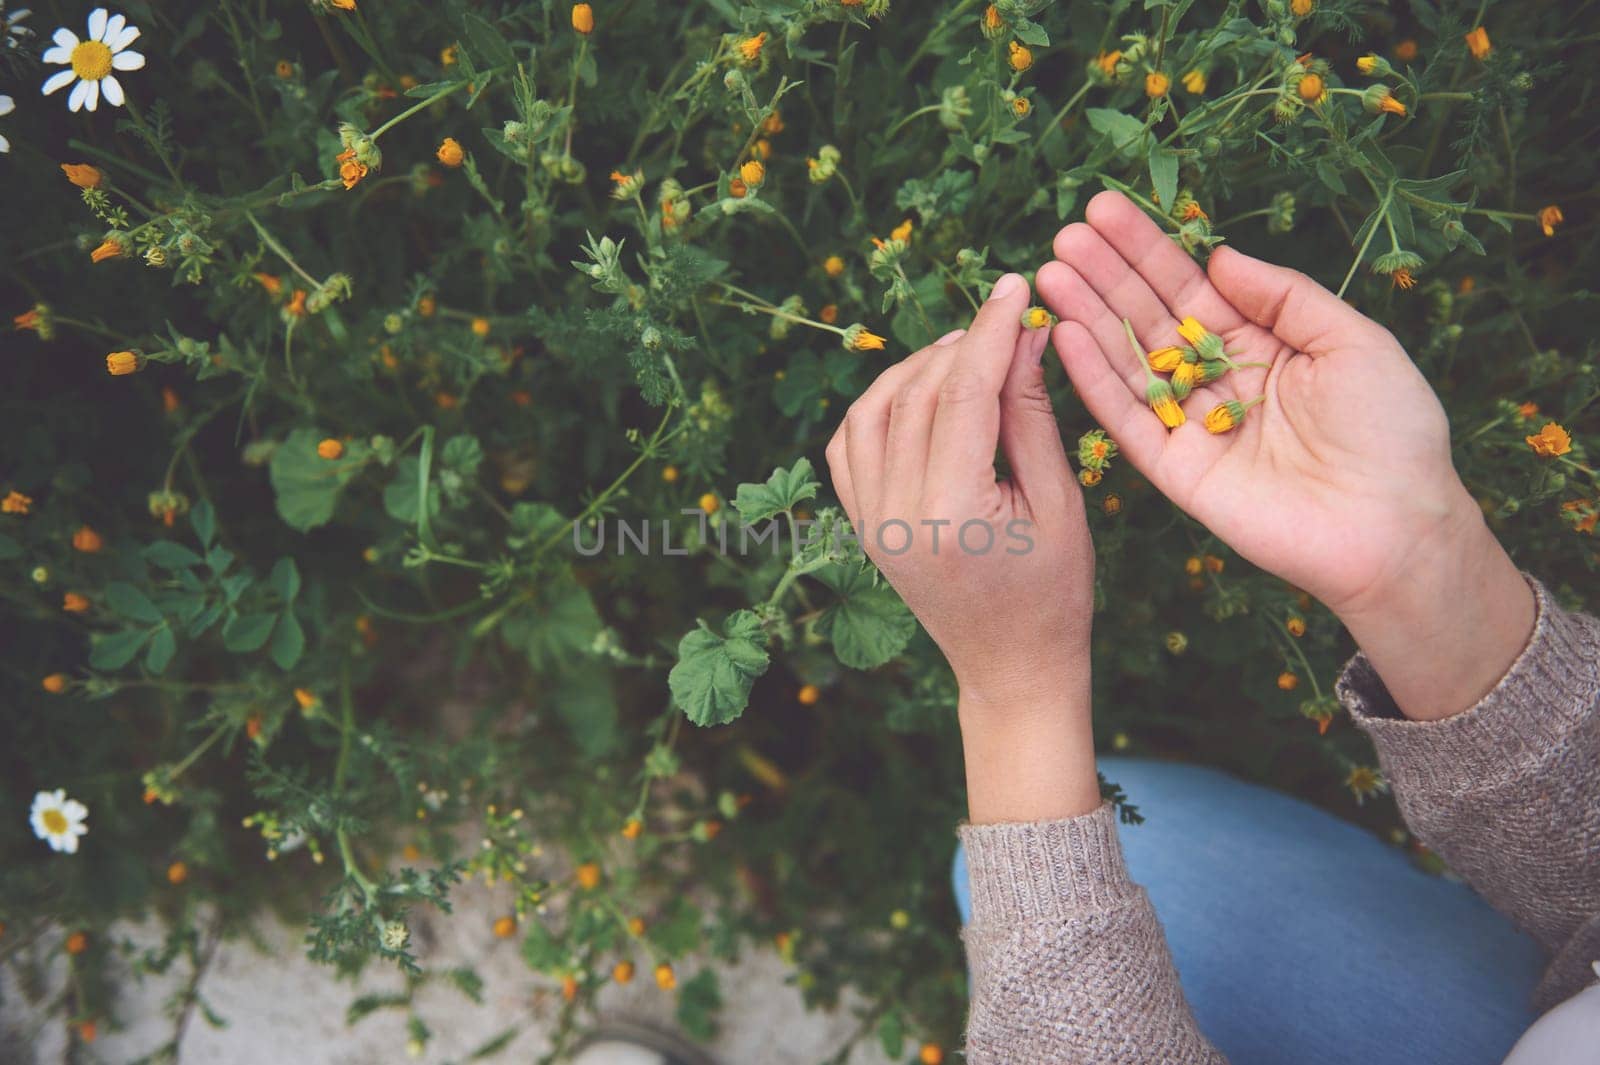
x: 1340, y: 481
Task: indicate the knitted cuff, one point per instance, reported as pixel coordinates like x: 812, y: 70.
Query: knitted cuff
x: 1046, y: 870
x: 1551, y: 687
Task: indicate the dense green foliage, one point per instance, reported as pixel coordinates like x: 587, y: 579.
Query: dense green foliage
x: 337, y: 612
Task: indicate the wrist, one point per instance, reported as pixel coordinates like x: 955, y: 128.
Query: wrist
x: 1029, y: 748
x: 1445, y: 627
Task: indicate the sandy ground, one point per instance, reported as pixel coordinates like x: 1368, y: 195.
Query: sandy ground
x: 281, y: 1008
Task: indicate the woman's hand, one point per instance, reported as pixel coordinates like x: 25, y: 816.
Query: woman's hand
x: 1000, y: 573
x: 1341, y: 482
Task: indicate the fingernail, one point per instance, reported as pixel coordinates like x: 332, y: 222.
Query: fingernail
x: 1006, y: 286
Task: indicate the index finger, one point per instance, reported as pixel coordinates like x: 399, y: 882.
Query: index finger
x: 966, y: 425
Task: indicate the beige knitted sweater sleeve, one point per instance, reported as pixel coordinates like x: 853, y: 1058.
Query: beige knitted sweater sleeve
x: 1068, y: 961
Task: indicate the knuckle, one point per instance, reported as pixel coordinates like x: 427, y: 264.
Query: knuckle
x: 960, y: 386
x: 912, y: 396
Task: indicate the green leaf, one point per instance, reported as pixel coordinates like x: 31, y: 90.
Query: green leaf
x: 1123, y: 130
x: 170, y: 555
x: 1030, y: 33
x: 113, y: 650
x: 285, y: 578
x: 162, y: 647
x: 288, y: 641
x: 780, y: 493
x: 463, y: 454
x: 487, y: 46
x: 130, y: 602
x: 557, y: 627
x: 677, y: 932
x: 587, y: 704
x: 892, y: 1034
x: 401, y: 494
x: 699, y: 999
x: 204, y: 520
x: 306, y: 484
x: 711, y: 682
x: 9, y: 548
x: 1164, y: 176
x: 247, y: 632
x: 870, y: 625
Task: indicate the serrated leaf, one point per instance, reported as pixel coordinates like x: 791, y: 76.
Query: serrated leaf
x: 113, y: 650
x: 247, y: 632
x: 782, y: 490
x: 870, y: 625
x: 130, y: 602
x: 288, y: 641
x: 711, y: 682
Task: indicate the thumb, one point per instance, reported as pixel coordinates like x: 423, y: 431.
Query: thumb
x: 1292, y: 306
x: 1029, y: 435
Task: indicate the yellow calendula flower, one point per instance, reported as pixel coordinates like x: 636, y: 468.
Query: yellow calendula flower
x: 343, y: 5
x: 75, y: 603
x: 1191, y: 330
x: 588, y: 876
x: 1367, y: 63
x: 1020, y: 106
x: 1165, y: 360
x: 859, y: 338
x: 450, y: 153
x: 83, y: 175
x: 1549, y: 218
x: 16, y: 503
x: 1301, y: 8
x: 480, y: 327
x: 666, y: 979
x: 1478, y: 43
x: 284, y: 69
x: 1037, y: 318
x: 1288, y: 681
x: 1019, y: 56
x: 902, y: 231
x: 1403, y: 279
x: 1164, y: 404
x: 1195, y: 82
x: 1225, y: 417
x: 583, y: 18
x: 307, y: 701
x: 351, y: 169
x: 1107, y: 62
x: 122, y: 363
x: 750, y: 47
x: 1184, y: 378
x: 110, y: 248
x: 330, y: 449
x: 709, y: 503
x: 1089, y: 478
x: 828, y: 314
x: 1551, y: 441
x: 87, y: 541
x: 1406, y: 50
x: 1156, y: 84
x: 622, y: 972
x: 1312, y: 89
x: 753, y: 173
x: 833, y: 266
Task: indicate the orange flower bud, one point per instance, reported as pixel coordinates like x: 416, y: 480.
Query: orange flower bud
x: 83, y: 175
x: 330, y: 449
x: 450, y: 153
x: 88, y: 541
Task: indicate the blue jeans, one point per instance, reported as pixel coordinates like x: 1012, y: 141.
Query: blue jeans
x: 1303, y: 939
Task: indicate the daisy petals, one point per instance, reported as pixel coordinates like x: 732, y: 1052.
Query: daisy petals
x: 113, y: 90
x: 97, y: 24
x: 123, y: 38
x: 114, y: 27
x: 85, y: 94
x: 5, y: 145
x: 58, y: 55
x: 59, y: 80
x: 65, y: 38
x: 126, y: 61
x: 7, y: 105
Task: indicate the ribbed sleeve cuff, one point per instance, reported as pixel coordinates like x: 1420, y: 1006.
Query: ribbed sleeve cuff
x: 1551, y: 687
x: 1046, y: 870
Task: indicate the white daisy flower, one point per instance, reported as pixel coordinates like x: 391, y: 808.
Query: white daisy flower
x: 91, y: 61
x: 58, y: 820
x: 7, y: 105
x: 12, y: 32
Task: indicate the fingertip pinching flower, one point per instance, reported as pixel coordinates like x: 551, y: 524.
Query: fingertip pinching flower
x: 58, y: 820
x: 91, y: 61
x: 1038, y: 318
